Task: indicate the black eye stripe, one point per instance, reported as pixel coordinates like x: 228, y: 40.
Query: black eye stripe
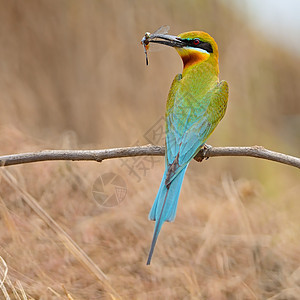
x: 202, y: 45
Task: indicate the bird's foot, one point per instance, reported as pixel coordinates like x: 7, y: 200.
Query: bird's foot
x: 202, y: 153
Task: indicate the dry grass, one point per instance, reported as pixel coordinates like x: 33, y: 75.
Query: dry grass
x: 229, y: 240
x: 73, y: 76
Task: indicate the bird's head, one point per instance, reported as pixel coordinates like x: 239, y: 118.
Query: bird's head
x: 194, y: 47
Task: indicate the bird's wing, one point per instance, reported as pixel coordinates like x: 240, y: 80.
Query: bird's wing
x: 189, y: 122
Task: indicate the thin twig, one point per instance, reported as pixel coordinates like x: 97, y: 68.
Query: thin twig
x: 148, y: 150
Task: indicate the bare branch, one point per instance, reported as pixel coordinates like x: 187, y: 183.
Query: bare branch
x: 254, y: 151
x: 148, y: 150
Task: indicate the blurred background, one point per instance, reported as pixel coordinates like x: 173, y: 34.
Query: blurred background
x: 73, y: 76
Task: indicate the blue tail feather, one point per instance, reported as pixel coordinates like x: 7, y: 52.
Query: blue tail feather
x: 165, y: 205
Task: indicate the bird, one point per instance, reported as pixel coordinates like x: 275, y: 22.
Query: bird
x: 196, y: 103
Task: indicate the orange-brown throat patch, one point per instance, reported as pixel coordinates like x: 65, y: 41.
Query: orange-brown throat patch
x: 190, y: 58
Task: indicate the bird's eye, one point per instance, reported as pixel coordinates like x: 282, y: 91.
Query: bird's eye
x: 196, y: 42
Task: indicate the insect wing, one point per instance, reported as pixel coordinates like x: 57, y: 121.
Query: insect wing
x: 162, y: 30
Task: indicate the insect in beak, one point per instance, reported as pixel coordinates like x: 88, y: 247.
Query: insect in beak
x: 160, y: 36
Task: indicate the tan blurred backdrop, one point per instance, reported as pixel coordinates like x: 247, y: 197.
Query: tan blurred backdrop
x: 76, y: 68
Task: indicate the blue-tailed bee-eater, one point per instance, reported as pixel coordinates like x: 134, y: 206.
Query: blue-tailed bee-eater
x: 196, y: 103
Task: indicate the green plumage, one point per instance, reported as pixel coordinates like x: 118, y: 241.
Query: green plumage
x: 196, y: 103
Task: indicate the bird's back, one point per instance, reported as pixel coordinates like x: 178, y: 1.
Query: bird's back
x: 196, y: 103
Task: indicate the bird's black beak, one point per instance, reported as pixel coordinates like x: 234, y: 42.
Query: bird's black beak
x: 165, y: 39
